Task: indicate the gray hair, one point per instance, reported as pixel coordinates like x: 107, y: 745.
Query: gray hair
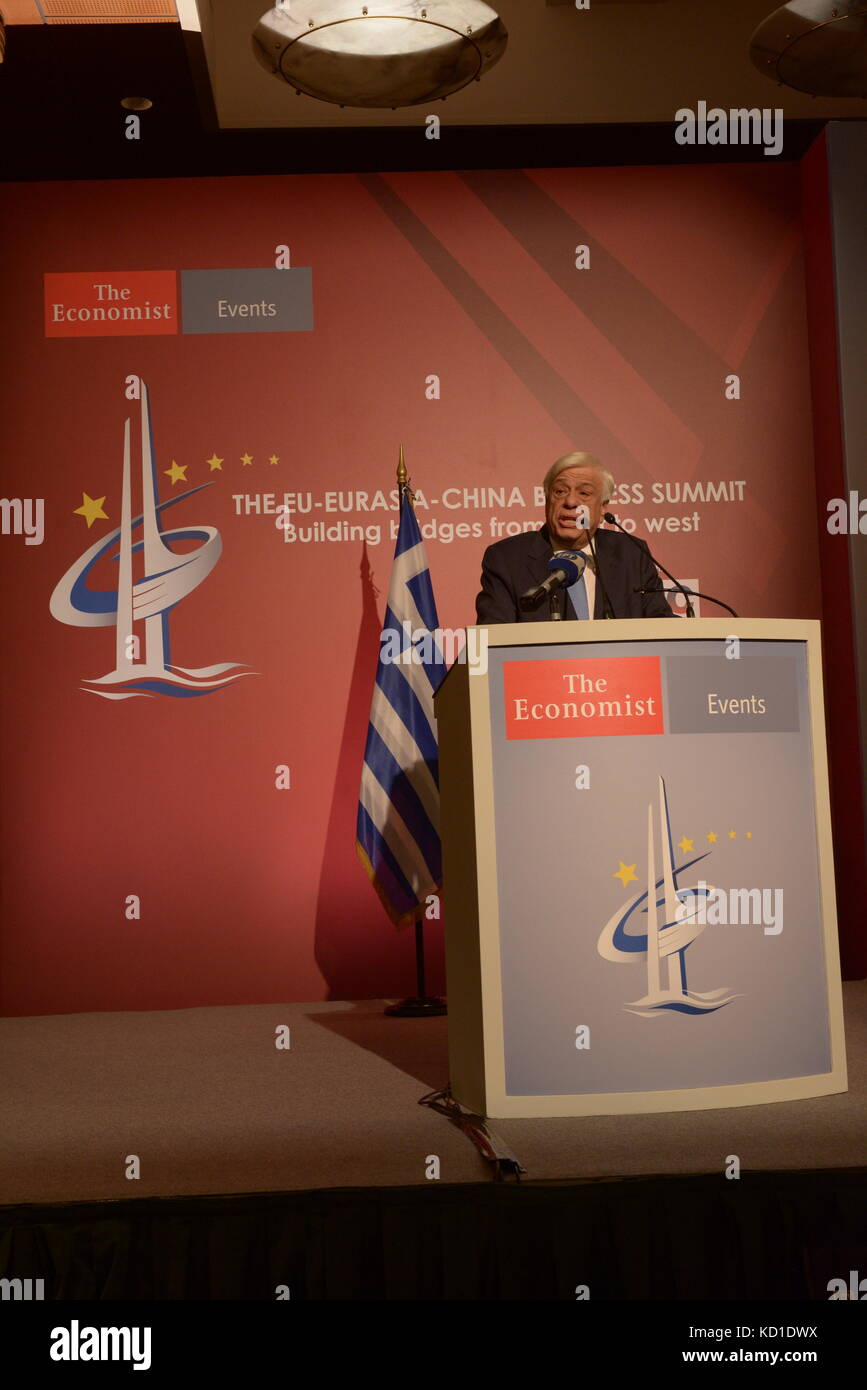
x: 580, y: 461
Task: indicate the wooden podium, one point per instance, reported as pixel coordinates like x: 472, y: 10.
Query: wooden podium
x: 638, y: 876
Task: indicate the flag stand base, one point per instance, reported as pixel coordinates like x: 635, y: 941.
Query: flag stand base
x: 422, y: 1004
x: 418, y: 1007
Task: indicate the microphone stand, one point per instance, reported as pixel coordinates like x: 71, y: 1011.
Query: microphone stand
x: 695, y: 593
x: 607, y: 606
x: 690, y: 611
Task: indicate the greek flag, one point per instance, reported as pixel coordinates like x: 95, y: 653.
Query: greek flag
x: 397, y: 833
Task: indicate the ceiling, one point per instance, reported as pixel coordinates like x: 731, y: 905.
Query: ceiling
x: 89, y: 11
x: 604, y: 83
x: 618, y: 61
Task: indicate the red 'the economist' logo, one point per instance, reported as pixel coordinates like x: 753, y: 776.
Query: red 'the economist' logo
x: 584, y: 697
x: 111, y: 303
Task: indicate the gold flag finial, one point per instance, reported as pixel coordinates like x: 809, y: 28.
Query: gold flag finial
x: 403, y: 487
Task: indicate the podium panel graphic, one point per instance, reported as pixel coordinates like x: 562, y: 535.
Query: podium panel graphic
x: 637, y: 869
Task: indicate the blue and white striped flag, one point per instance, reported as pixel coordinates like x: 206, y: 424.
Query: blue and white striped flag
x: 397, y: 834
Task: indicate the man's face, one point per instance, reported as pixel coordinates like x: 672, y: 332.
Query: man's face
x: 575, y: 494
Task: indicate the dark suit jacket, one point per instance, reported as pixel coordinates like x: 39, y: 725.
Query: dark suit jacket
x: 512, y: 566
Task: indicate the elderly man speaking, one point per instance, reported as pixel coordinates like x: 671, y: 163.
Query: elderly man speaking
x: 577, y: 488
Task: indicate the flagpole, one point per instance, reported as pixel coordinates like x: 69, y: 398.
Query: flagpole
x: 422, y: 1005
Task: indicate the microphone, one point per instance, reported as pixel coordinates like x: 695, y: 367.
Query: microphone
x: 612, y: 521
x: 565, y: 567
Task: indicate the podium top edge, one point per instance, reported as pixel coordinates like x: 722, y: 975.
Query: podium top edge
x: 648, y: 629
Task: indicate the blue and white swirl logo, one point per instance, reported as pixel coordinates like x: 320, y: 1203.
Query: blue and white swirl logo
x: 663, y: 944
x: 143, y: 666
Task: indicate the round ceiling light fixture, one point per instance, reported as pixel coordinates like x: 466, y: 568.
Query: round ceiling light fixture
x: 379, y: 55
x: 815, y: 46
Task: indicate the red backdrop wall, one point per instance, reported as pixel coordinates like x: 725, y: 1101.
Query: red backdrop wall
x: 253, y: 893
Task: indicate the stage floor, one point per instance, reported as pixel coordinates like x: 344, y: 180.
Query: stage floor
x: 208, y: 1104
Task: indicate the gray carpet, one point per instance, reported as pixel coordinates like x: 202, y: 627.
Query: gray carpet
x: 208, y: 1104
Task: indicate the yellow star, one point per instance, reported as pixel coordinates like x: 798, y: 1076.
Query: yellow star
x: 213, y: 462
x: 626, y: 873
x: 712, y: 836
x: 273, y: 459
x: 91, y: 510
x: 177, y: 472
x: 732, y: 834
x: 685, y: 844
x: 748, y: 834
x: 246, y: 460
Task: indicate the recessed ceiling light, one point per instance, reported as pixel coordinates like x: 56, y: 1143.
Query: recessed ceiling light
x: 137, y: 103
x: 815, y: 46
x: 395, y: 54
